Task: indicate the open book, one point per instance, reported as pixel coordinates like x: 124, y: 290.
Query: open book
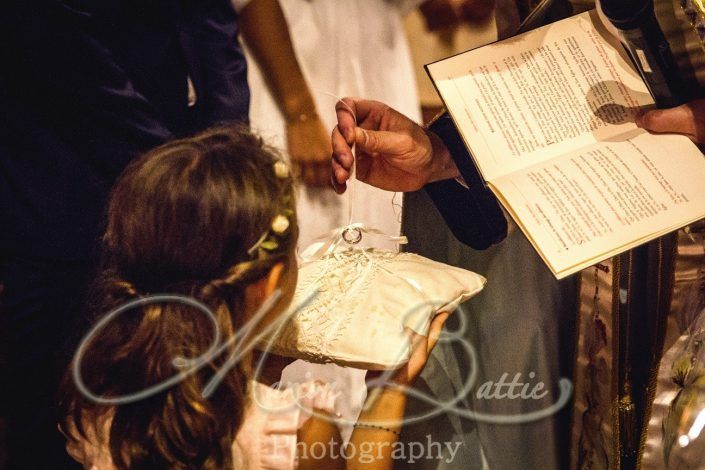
x: 548, y: 117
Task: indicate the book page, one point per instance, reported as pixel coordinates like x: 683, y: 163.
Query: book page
x: 600, y: 200
x: 540, y: 94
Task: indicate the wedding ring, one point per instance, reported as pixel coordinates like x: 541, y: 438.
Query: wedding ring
x: 352, y: 235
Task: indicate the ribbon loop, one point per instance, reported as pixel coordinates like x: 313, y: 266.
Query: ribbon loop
x: 328, y: 243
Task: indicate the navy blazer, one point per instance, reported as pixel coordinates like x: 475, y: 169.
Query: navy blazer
x: 85, y: 86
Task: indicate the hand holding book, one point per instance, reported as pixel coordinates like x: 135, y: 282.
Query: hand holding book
x: 687, y: 119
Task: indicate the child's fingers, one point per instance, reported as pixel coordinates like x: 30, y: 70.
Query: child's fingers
x: 434, y: 330
x: 417, y: 341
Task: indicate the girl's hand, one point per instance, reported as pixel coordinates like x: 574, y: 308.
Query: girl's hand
x: 421, y: 347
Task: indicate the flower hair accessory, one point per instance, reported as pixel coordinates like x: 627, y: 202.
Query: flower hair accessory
x: 281, y: 169
x: 269, y: 241
x: 280, y: 224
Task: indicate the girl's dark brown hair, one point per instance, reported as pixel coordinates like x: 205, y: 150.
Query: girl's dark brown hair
x: 181, y: 219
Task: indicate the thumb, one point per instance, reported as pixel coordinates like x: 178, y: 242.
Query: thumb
x: 380, y: 141
x: 679, y: 120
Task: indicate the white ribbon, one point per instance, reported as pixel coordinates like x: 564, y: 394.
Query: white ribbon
x: 328, y: 243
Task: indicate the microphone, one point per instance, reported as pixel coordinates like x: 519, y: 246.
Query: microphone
x: 648, y: 48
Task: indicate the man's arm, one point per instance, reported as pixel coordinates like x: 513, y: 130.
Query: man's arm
x: 56, y: 63
x: 221, y: 78
x: 472, y: 213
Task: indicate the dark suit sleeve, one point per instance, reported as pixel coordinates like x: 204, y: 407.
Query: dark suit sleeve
x: 221, y: 80
x: 60, y: 66
x: 473, y: 215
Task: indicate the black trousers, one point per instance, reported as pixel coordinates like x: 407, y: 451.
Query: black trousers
x: 41, y: 312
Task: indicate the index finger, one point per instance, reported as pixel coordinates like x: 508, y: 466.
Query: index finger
x: 346, y: 118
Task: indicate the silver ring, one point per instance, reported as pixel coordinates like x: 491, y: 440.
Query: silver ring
x: 352, y: 235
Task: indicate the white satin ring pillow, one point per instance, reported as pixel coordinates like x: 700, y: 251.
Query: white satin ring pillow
x: 364, y: 300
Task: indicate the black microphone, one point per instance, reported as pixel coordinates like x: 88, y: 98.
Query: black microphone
x: 648, y: 48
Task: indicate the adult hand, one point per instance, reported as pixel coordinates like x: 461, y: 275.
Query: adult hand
x: 309, y: 149
x: 687, y: 119
x: 476, y: 11
x: 393, y: 152
x: 446, y: 14
x: 440, y: 14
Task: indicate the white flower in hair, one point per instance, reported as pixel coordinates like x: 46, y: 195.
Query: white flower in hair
x: 281, y: 169
x: 280, y: 224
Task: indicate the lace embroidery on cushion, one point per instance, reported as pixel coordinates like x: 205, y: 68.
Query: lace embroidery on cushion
x: 343, y: 279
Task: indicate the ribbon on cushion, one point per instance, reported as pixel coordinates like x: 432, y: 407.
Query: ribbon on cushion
x: 349, y: 235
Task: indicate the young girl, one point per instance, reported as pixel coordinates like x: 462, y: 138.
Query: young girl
x: 210, y: 218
